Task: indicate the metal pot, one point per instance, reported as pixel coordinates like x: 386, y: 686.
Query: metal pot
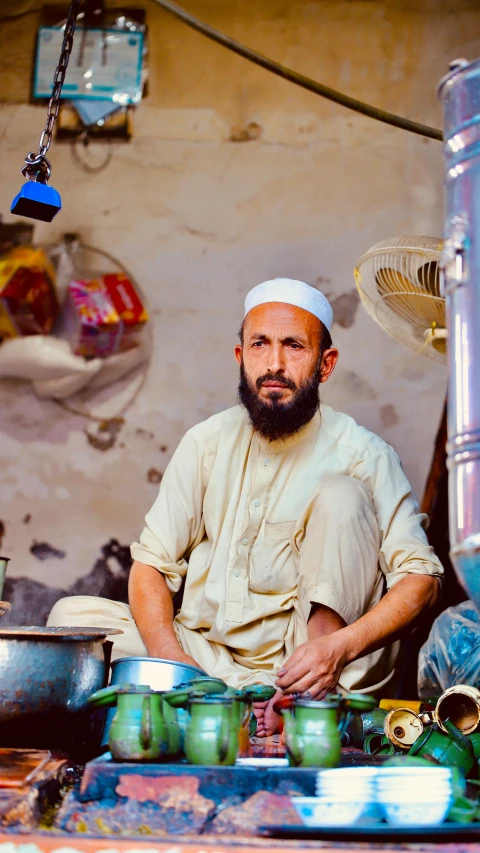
x: 461, y: 705
x: 46, y: 677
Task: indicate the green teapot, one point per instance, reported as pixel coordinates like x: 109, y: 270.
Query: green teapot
x: 212, y: 735
x: 144, y: 727
x: 207, y: 684
x: 179, y: 698
x: 312, y: 737
x: 463, y: 810
x: 357, y: 716
x: 363, y: 718
x: 475, y: 741
x: 377, y: 743
x: 256, y: 693
x: 241, y: 716
x: 259, y: 692
x: 242, y: 707
x: 452, y: 750
x: 360, y: 703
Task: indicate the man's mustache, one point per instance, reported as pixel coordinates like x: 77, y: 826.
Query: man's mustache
x: 278, y: 378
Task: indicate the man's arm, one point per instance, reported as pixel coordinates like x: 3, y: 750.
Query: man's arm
x: 173, y: 527
x: 317, y: 665
x: 152, y: 608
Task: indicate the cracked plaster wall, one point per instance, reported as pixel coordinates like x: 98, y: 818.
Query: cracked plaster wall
x: 200, y: 219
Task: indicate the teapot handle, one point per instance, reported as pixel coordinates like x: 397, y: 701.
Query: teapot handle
x: 293, y: 745
x: 224, y: 734
x: 283, y: 703
x: 107, y: 657
x: 146, y: 726
x: 458, y: 736
x: 248, y: 711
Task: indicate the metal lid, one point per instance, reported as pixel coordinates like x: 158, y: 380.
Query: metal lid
x: 460, y: 71
x: 138, y: 689
x: 212, y: 699
x: 317, y: 703
x: 35, y: 632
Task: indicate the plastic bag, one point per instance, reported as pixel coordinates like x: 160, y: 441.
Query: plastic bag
x: 451, y: 655
x: 56, y: 372
x: 40, y: 358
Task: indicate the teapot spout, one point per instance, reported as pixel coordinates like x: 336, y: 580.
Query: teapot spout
x: 146, y: 725
x: 458, y: 736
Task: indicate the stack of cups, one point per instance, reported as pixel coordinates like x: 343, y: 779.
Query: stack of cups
x: 355, y: 785
x: 414, y: 796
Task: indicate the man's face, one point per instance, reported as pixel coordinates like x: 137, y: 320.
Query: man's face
x: 281, y: 367
x: 281, y: 347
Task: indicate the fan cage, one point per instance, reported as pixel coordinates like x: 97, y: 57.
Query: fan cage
x: 399, y: 284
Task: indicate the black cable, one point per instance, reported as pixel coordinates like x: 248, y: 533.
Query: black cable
x: 299, y: 79
x: 92, y: 170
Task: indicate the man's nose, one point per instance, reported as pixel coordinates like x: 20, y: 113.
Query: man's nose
x: 276, y: 359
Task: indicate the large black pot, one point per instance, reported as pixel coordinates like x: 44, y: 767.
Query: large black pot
x: 46, y: 677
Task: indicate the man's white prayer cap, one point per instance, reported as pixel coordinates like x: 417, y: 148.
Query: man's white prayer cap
x: 293, y: 293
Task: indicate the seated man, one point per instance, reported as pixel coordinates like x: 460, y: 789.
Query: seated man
x: 294, y: 529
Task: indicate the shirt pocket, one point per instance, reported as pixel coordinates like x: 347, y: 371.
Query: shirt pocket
x: 272, y: 567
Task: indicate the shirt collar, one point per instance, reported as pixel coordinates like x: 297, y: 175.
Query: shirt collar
x: 284, y: 444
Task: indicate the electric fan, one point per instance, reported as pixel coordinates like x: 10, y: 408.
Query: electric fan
x: 399, y: 283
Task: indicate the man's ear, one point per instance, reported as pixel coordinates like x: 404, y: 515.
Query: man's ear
x: 238, y: 353
x: 329, y: 360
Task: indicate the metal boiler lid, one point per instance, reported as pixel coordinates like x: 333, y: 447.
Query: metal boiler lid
x: 67, y: 634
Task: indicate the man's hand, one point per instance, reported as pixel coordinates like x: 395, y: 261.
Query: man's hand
x: 171, y: 651
x: 314, y: 667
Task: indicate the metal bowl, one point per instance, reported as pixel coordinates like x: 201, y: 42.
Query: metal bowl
x: 157, y: 673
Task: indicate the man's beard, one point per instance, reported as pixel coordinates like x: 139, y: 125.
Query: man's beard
x: 275, y: 420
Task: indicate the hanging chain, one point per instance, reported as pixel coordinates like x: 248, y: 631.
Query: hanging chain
x: 37, y: 167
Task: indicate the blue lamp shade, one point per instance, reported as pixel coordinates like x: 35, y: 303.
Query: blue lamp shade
x: 37, y: 201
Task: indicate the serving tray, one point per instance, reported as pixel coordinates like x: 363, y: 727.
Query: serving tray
x: 374, y: 831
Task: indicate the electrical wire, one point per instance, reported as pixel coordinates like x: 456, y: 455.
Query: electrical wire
x: 83, y: 164
x: 299, y: 79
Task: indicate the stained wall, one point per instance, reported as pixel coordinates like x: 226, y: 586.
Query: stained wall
x: 232, y: 176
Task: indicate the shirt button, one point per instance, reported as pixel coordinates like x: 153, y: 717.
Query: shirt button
x: 266, y: 462
x: 237, y: 573
x: 256, y: 503
x: 245, y: 541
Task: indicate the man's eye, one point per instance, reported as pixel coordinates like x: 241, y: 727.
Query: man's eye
x: 258, y: 344
x: 296, y: 346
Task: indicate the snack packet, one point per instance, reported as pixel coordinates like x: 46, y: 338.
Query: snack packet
x: 28, y: 301
x: 91, y: 323
x: 129, y: 307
